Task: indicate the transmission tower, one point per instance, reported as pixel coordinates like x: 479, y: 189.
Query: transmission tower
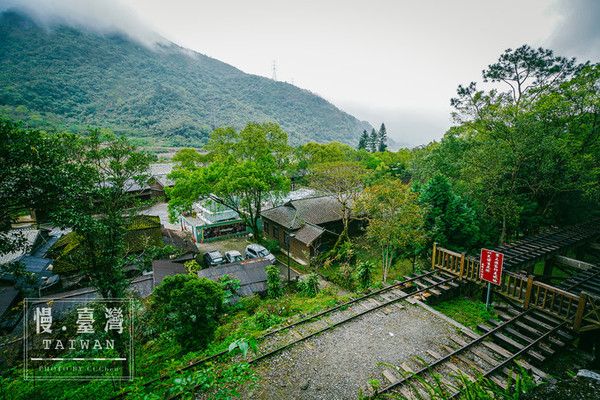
x: 274, y: 70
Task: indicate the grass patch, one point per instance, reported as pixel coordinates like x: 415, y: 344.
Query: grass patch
x: 466, y: 311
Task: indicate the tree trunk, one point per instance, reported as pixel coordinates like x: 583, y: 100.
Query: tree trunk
x: 503, y: 233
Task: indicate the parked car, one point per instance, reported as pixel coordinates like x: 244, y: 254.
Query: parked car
x: 256, y: 250
x: 233, y: 256
x: 212, y: 259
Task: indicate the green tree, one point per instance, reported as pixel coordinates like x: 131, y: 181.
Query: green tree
x: 373, y: 141
x: 395, y: 221
x: 247, y: 169
x: 449, y: 220
x: 189, y: 159
x: 273, y: 282
x: 382, y: 138
x: 342, y: 181
x: 101, y: 207
x: 363, y: 141
x: 525, y: 69
x: 189, y: 307
x: 516, y: 151
x: 37, y: 172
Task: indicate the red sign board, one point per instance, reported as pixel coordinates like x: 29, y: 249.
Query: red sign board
x: 491, y: 266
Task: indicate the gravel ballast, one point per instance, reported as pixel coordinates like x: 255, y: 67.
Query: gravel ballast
x: 338, y: 363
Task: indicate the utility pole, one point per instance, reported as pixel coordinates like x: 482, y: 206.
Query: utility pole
x: 274, y: 70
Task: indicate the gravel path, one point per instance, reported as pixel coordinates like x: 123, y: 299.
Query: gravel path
x: 342, y: 360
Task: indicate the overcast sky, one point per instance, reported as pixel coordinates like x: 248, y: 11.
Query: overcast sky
x: 391, y: 61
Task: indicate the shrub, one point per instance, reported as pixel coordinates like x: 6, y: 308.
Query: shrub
x: 250, y: 304
x: 190, y: 307
x: 192, y: 266
x: 344, y: 277
x: 364, y: 274
x: 263, y: 319
x: 273, y: 246
x: 273, y: 282
x: 310, y: 285
x: 230, y: 289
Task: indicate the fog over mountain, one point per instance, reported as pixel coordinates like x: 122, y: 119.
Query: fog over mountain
x: 74, y: 76
x: 397, y: 62
x: 103, y: 17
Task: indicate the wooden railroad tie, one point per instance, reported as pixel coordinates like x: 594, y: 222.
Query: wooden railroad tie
x: 299, y: 336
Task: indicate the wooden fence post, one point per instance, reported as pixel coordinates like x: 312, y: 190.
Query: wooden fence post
x: 580, y: 310
x: 528, y: 292
x: 433, y: 256
x: 462, y: 266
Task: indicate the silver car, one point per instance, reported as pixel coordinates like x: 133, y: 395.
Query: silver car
x: 256, y: 250
x: 233, y: 256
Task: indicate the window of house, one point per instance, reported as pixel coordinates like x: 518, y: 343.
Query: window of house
x: 275, y: 232
x: 265, y: 227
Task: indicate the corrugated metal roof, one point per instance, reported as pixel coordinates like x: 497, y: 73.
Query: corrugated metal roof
x: 251, y: 274
x: 30, y: 235
x: 7, y: 296
x: 164, y: 268
x: 36, y: 265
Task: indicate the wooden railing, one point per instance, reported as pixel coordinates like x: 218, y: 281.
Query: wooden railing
x: 588, y: 313
x: 583, y: 310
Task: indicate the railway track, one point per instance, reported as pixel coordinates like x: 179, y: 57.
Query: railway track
x: 527, y: 252
x: 423, y: 285
x: 588, y: 281
x: 520, y: 338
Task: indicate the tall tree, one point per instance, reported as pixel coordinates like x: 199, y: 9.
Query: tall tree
x: 100, y: 208
x: 189, y: 159
x: 246, y: 168
x: 37, y: 172
x: 395, y: 220
x: 526, y: 69
x: 382, y: 138
x: 516, y: 154
x: 363, y: 141
x: 449, y: 220
x: 373, y: 141
x: 343, y: 181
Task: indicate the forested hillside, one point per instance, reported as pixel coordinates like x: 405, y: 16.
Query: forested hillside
x: 64, y: 78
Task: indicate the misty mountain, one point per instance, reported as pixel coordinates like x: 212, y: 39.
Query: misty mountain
x: 70, y: 79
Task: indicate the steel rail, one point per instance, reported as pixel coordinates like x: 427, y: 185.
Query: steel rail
x: 581, y: 282
x: 454, y: 353
x: 385, y: 304
x: 328, y: 311
x: 360, y: 314
x: 515, y: 355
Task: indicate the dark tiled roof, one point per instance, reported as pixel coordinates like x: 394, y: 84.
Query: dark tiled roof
x: 314, y: 210
x: 309, y: 233
x: 161, y: 169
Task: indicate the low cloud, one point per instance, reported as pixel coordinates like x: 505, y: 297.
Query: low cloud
x: 408, y: 128
x: 100, y: 16
x: 578, y: 33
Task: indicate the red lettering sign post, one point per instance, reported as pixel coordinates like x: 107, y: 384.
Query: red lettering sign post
x: 491, y: 266
x: 490, y: 270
